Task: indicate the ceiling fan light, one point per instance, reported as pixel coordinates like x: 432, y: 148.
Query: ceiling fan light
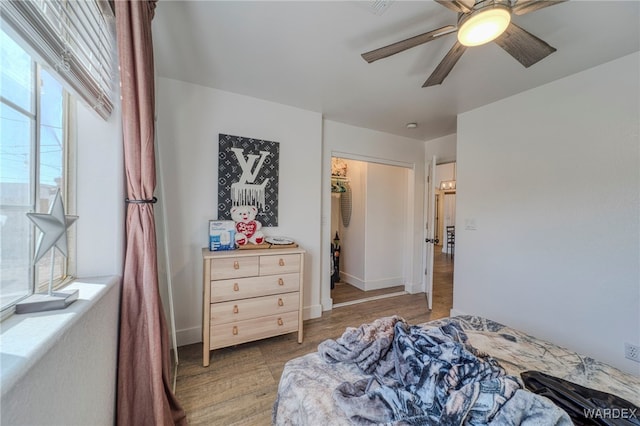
x: 484, y: 25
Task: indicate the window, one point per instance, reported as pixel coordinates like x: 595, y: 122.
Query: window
x: 76, y: 38
x: 33, y: 166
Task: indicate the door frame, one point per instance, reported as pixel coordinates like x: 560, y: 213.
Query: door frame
x: 407, y: 270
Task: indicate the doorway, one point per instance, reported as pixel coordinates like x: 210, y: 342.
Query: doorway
x: 369, y: 205
x: 444, y: 250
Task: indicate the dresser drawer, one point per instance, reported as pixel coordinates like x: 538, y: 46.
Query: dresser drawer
x: 234, y: 333
x: 243, y: 288
x: 239, y: 310
x: 234, y: 267
x: 279, y: 264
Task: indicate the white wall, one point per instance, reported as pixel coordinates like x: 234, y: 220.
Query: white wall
x: 100, y: 194
x: 551, y: 179
x: 445, y: 172
x: 443, y: 148
x: 369, y: 145
x: 100, y: 252
x: 190, y: 117
x: 100, y: 235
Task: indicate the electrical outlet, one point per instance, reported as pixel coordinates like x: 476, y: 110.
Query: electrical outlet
x: 632, y: 352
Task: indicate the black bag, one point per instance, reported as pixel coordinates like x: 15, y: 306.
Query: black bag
x: 586, y: 407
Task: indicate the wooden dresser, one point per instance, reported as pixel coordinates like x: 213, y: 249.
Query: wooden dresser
x: 250, y: 295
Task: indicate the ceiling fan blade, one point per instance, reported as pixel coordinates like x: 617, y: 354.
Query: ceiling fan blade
x: 403, y: 45
x: 524, y: 46
x: 526, y: 6
x: 446, y: 65
x: 461, y: 6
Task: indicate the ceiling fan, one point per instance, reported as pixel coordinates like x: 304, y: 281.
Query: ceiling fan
x: 479, y: 22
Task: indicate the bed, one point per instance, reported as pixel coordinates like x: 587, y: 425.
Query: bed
x: 354, y: 379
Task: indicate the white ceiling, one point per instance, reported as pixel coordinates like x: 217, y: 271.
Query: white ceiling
x: 307, y: 55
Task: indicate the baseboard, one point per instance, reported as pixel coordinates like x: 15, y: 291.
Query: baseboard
x: 189, y: 336
x: 370, y: 285
x: 327, y: 304
x: 414, y: 288
x: 310, y: 312
x: 369, y: 299
x: 380, y: 284
x: 354, y: 281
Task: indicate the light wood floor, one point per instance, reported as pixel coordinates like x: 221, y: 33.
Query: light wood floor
x: 344, y: 292
x: 239, y: 386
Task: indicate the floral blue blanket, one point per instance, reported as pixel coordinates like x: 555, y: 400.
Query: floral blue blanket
x: 419, y: 376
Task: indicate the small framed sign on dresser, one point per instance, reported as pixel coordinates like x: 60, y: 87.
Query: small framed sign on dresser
x: 250, y: 295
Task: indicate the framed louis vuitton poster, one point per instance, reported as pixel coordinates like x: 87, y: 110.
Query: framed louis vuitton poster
x: 248, y: 173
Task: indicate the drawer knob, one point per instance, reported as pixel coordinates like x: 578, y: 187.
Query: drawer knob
x: 280, y: 281
x: 280, y: 302
x: 235, y: 309
x: 281, y: 262
x: 235, y: 330
x: 236, y: 287
x: 280, y: 322
x: 236, y: 264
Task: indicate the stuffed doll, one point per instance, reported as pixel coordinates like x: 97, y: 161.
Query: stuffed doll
x: 247, y: 228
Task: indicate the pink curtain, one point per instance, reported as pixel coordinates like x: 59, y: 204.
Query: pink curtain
x: 144, y: 391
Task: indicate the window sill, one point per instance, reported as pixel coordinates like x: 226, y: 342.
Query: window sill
x: 26, y: 338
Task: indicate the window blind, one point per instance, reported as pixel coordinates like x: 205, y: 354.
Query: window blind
x: 75, y: 38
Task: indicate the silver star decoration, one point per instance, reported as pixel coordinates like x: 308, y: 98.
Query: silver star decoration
x: 53, y: 227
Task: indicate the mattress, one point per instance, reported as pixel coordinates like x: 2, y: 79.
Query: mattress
x: 307, y: 385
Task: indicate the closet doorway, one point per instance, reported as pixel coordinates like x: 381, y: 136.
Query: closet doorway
x: 369, y: 206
